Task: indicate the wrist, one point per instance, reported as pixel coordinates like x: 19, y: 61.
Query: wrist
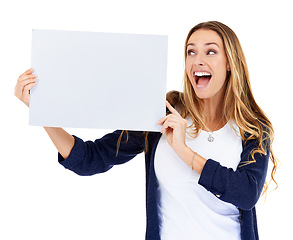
x: 185, y: 153
x: 191, y: 158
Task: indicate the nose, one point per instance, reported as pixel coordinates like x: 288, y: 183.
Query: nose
x: 198, y: 60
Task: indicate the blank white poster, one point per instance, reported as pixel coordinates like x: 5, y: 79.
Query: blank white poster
x: 98, y: 80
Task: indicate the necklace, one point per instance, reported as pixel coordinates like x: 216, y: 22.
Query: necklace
x: 210, y: 137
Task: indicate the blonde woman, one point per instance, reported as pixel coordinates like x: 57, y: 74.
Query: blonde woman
x: 206, y: 170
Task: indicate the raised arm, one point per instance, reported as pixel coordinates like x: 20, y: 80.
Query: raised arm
x: 85, y: 158
x: 62, y: 140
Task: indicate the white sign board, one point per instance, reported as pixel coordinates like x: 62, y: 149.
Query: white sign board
x: 98, y: 80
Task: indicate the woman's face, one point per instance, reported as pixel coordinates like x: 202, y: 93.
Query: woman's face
x: 206, y: 63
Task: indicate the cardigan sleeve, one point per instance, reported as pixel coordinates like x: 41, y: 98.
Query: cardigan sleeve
x: 242, y: 187
x: 92, y: 157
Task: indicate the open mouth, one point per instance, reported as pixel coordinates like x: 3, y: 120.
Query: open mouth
x: 202, y: 79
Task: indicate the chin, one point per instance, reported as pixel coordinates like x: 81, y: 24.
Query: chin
x: 203, y: 93
x: 203, y: 96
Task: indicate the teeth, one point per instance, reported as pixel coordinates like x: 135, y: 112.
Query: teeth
x: 200, y: 74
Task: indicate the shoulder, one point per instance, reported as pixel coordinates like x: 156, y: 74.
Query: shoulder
x: 258, y: 138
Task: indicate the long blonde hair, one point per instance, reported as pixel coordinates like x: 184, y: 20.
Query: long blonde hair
x: 239, y: 103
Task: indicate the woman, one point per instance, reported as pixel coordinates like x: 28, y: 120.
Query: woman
x: 207, y: 170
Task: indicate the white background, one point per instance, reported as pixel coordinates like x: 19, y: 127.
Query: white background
x: 41, y: 200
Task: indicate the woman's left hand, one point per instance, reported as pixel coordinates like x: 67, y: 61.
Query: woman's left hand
x: 174, y: 126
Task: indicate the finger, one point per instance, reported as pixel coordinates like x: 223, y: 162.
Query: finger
x: 19, y: 88
x: 28, y: 87
x: 172, y: 110
x: 169, y: 123
x: 27, y: 72
x: 165, y: 129
x: 27, y: 81
x: 26, y: 77
x: 26, y: 92
x: 162, y: 120
x: 164, y: 125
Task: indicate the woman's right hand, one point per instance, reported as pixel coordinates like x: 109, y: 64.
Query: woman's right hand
x: 24, y: 84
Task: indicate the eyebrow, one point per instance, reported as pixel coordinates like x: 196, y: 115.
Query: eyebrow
x: 206, y: 44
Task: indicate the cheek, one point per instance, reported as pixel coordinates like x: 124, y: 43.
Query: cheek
x: 219, y: 82
x: 221, y: 70
x: 219, y: 77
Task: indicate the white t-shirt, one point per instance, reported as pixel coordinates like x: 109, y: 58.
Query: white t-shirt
x: 186, y: 209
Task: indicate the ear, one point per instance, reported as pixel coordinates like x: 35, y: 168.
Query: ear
x: 228, y: 67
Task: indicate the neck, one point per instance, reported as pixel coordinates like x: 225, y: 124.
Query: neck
x: 213, y: 110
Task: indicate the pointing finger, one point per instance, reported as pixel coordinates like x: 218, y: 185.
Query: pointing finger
x: 172, y: 110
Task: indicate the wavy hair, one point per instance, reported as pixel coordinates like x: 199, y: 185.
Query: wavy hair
x: 239, y: 103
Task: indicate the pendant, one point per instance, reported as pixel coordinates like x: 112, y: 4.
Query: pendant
x: 210, y: 138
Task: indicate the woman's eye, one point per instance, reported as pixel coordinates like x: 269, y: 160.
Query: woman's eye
x: 211, y: 52
x: 190, y: 52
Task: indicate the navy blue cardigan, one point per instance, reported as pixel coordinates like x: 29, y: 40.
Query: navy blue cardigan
x: 241, y: 188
